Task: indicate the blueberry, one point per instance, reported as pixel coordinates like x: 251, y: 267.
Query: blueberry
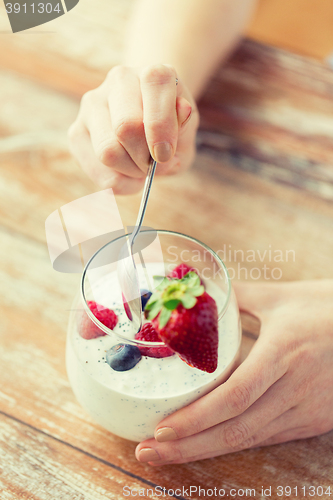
x: 145, y: 296
x: 123, y: 357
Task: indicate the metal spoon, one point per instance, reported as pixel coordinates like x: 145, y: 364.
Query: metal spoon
x: 126, y: 268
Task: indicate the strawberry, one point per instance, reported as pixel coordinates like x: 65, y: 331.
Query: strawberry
x: 180, y: 271
x: 186, y: 319
x: 149, y: 334
x: 87, y: 328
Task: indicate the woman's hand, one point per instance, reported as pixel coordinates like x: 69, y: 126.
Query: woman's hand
x: 281, y: 392
x: 135, y: 113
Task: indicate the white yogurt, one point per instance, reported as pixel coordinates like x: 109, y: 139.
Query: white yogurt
x: 131, y: 403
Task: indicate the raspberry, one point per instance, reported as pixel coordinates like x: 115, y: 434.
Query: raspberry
x: 87, y: 328
x: 149, y: 334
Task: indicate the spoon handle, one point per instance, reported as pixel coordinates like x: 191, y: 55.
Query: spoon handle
x: 144, y: 199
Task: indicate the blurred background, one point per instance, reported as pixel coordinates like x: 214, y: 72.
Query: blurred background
x: 302, y: 26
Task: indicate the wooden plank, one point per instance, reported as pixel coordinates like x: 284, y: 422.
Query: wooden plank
x: 34, y: 466
x: 271, y: 113
x: 78, y: 48
x: 31, y: 112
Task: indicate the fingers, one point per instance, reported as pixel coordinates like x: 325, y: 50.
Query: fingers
x: 95, y: 116
x: 105, y: 177
x: 287, y: 435
x: 268, y: 415
x: 281, y: 437
x: 132, y: 115
x: 126, y: 112
x: 188, y: 122
x: 249, y: 381
x: 186, y: 450
x: 291, y: 408
x: 159, y: 93
x: 281, y: 429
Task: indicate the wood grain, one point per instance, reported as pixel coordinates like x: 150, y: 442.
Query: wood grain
x: 34, y: 465
x: 78, y: 48
x: 278, y: 125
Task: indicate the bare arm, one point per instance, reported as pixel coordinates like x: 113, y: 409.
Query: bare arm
x: 194, y: 36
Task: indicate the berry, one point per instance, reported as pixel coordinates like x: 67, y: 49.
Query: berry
x: 186, y: 319
x: 180, y: 271
x: 149, y: 334
x: 87, y: 328
x: 127, y: 308
x: 123, y: 357
x: 145, y: 296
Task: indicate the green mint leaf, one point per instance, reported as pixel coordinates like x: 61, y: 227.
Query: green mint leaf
x: 171, y: 304
x: 164, y: 317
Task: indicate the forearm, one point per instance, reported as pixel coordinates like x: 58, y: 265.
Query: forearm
x: 194, y: 36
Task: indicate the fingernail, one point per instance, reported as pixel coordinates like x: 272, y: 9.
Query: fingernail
x: 148, y: 455
x: 187, y: 119
x: 165, y: 434
x: 159, y: 462
x: 162, y: 152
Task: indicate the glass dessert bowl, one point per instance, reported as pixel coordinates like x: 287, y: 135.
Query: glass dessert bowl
x: 126, y: 383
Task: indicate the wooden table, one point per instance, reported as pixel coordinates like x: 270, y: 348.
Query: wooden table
x: 262, y: 180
